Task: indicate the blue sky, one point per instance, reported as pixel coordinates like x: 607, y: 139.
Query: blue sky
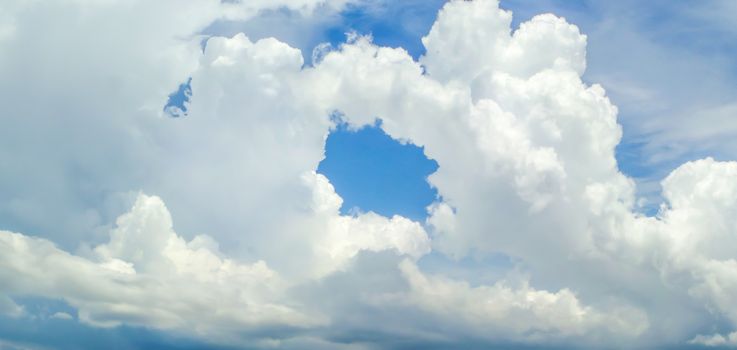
x: 371, y: 171
x: 213, y: 223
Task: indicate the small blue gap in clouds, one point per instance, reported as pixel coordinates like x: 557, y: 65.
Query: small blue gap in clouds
x: 575, y: 11
x: 631, y: 162
x: 373, y: 172
x: 390, y: 23
x: 176, y: 105
x: 629, y: 155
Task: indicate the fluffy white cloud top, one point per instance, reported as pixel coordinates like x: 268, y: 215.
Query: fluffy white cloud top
x: 262, y: 256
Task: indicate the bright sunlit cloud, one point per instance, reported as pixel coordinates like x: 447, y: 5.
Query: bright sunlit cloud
x: 299, y: 174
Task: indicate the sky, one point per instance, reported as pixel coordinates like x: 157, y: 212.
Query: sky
x: 368, y: 174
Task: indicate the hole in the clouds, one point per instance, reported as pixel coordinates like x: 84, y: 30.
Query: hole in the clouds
x: 176, y: 105
x: 390, y: 23
x: 629, y: 155
x: 373, y: 172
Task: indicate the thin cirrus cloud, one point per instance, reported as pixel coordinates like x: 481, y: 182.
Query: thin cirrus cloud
x: 216, y: 227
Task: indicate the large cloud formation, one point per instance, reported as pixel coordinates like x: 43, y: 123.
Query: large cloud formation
x: 526, y: 170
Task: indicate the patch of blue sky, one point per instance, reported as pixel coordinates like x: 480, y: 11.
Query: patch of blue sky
x: 373, y: 172
x: 390, y: 23
x: 178, y: 101
x: 524, y: 10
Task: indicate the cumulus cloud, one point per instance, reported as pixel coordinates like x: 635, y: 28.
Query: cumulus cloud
x: 470, y: 38
x: 517, y: 313
x: 147, y: 275
x: 526, y: 169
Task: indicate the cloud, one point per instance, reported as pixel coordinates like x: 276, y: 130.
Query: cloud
x: 468, y: 39
x: 716, y: 340
x: 62, y: 316
x: 80, y: 74
x: 261, y: 254
x: 518, y: 313
x: 10, y: 308
x: 147, y: 275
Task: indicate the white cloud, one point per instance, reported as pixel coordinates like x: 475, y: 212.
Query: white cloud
x: 346, y: 236
x: 527, y: 169
x: 699, y: 229
x: 716, y: 340
x: 518, y: 313
x: 149, y: 276
x: 469, y: 39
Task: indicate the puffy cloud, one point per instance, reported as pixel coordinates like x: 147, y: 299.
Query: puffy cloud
x: 147, y: 275
x: 346, y: 236
x: 473, y: 38
x: 79, y: 74
x: 526, y: 156
x: 526, y: 169
x: 698, y: 226
x: 518, y: 313
x: 702, y: 203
